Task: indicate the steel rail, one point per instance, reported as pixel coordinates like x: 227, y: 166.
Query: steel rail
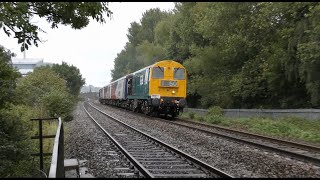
x: 307, y: 158
x: 136, y: 163
x: 183, y: 154
x: 290, y: 143
x: 314, y: 160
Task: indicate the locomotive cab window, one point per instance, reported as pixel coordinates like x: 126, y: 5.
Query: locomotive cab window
x: 157, y: 72
x: 178, y: 73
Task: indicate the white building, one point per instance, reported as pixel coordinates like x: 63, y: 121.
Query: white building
x: 27, y: 65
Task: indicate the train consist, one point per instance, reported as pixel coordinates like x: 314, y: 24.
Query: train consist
x: 154, y: 90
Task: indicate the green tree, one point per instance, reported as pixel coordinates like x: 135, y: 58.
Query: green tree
x: 149, y: 53
x: 134, y: 35
x: 125, y: 62
x: 137, y: 53
x: 14, y: 129
x: 149, y: 20
x: 72, y: 76
x: 45, y: 90
x: 8, y: 78
x: 16, y: 145
x: 15, y: 17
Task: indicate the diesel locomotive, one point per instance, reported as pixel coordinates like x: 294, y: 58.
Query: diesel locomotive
x: 158, y: 89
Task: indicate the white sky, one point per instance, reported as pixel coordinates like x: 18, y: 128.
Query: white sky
x: 91, y: 49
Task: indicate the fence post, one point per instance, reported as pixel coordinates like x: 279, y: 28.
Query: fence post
x: 41, y: 144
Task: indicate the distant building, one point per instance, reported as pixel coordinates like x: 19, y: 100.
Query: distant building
x: 27, y: 65
x: 90, y: 88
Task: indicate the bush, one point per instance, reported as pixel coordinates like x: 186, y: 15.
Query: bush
x: 16, y: 145
x: 46, y: 90
x: 214, y: 115
x: 191, y: 115
x: 213, y: 119
x: 68, y: 118
x: 57, y: 103
x: 215, y: 111
x: 200, y: 118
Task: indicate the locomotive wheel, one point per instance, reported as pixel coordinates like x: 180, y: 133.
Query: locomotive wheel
x: 167, y: 112
x: 173, y: 115
x: 131, y: 107
x: 154, y: 112
x: 135, y: 105
x: 145, y: 109
x: 148, y: 111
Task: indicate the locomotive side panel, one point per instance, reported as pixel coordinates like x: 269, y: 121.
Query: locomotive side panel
x: 140, y: 85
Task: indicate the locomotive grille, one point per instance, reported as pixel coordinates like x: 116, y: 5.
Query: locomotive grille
x: 169, y: 83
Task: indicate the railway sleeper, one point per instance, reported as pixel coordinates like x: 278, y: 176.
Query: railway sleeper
x: 171, y: 166
x: 142, y: 148
x: 181, y: 175
x: 152, y: 157
x: 126, y: 174
x: 145, y: 151
x: 161, y: 162
x: 175, y: 170
x: 123, y: 168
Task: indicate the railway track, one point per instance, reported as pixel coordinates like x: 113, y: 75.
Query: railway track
x: 149, y: 156
x: 303, y: 152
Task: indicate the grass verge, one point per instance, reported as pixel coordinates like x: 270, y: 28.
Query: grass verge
x: 292, y: 128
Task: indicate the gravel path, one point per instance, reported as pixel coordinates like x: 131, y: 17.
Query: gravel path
x: 237, y: 159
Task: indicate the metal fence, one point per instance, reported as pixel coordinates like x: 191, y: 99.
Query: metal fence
x: 312, y: 114
x: 57, y: 161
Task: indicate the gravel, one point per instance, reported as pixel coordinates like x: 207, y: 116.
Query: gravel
x: 237, y: 159
x: 84, y: 141
x: 134, y: 142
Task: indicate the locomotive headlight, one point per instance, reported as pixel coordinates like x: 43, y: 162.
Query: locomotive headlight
x: 173, y: 92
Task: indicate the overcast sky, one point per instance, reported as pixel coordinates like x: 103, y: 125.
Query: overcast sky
x: 91, y: 49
